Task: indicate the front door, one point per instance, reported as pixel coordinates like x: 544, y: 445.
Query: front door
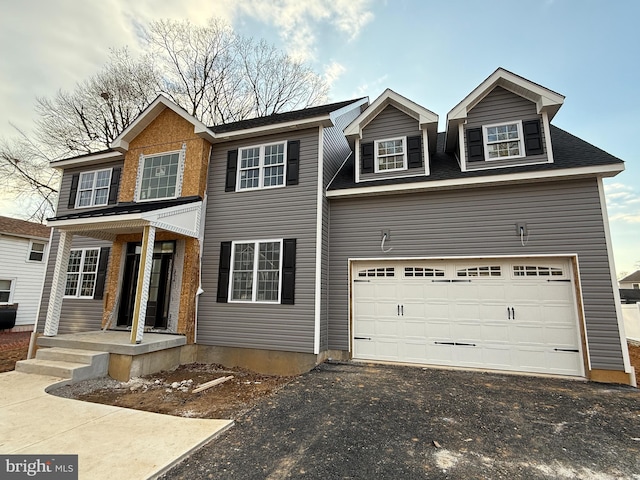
x: 157, y: 315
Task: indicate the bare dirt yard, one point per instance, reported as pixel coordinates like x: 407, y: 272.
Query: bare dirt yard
x: 171, y: 392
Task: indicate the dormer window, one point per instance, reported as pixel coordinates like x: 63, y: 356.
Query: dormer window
x: 391, y: 155
x: 503, y: 141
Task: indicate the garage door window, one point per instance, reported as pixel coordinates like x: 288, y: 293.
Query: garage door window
x: 484, y: 271
x: 377, y: 272
x: 536, y: 271
x: 412, y: 272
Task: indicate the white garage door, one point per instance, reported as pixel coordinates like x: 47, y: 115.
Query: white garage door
x: 505, y: 314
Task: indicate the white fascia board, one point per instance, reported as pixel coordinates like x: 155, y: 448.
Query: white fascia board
x: 121, y: 142
x: 78, y: 222
x: 389, y: 97
x: 320, y: 121
x: 87, y: 160
x: 546, y: 98
x: 524, y: 177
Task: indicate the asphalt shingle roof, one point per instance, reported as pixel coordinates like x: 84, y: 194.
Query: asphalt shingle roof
x: 569, y: 151
x: 632, y: 277
x: 282, y: 117
x: 22, y: 228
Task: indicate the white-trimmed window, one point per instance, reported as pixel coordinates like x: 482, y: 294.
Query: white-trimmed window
x: 160, y: 176
x: 256, y: 271
x: 82, y: 272
x: 6, y: 291
x: 391, y: 155
x: 635, y: 286
x: 261, y: 166
x: 36, y: 251
x: 93, y: 188
x: 503, y: 141
x: 483, y: 271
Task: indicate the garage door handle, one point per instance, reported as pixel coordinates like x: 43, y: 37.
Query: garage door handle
x: 402, y: 310
x: 508, y: 314
x: 574, y: 350
x: 398, y: 310
x: 513, y: 313
x: 362, y: 338
x: 458, y: 344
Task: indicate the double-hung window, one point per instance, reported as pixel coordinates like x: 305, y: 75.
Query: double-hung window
x: 36, y: 251
x: 82, y: 272
x: 503, y: 141
x: 159, y: 179
x: 391, y: 155
x: 6, y: 290
x: 256, y: 271
x: 93, y: 188
x: 261, y: 166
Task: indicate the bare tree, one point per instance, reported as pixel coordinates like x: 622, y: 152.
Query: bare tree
x: 214, y: 74
x: 88, y: 118
x: 219, y: 76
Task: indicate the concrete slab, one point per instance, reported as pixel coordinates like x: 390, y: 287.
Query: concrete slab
x: 114, y: 342
x: 111, y: 442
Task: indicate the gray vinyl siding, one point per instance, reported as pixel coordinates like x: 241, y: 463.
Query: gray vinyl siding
x: 562, y: 217
x: 65, y: 186
x: 501, y: 106
x: 335, y: 151
x: 388, y: 124
x: 78, y: 315
x: 285, y: 212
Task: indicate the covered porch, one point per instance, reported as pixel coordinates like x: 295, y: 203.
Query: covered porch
x: 141, y: 235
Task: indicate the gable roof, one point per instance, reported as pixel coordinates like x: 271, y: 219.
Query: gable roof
x: 546, y: 100
x: 22, y: 228
x: 426, y: 118
x: 121, y: 142
x: 632, y: 277
x: 572, y: 155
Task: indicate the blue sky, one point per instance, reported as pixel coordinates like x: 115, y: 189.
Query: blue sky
x: 433, y: 52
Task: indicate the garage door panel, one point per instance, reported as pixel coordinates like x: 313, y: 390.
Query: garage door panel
x: 510, y: 319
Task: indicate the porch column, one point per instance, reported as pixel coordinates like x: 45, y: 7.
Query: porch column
x: 142, y: 290
x: 58, y: 284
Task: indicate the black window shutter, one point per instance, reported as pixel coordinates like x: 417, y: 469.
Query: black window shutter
x: 232, y: 167
x: 101, y: 275
x: 475, y: 145
x: 366, y: 159
x: 532, y: 137
x: 293, y: 162
x: 74, y: 190
x: 288, y: 271
x: 414, y: 151
x: 114, y: 186
x: 223, y: 272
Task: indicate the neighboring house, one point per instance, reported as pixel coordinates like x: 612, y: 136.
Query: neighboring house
x: 631, y: 281
x: 349, y: 231
x: 23, y: 253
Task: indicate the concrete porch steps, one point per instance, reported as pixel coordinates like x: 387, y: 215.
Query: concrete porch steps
x: 73, y: 364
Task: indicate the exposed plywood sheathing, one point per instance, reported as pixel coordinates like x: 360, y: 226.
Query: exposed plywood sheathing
x: 167, y: 133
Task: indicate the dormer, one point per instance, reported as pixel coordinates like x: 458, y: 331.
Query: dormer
x: 392, y: 138
x: 504, y: 122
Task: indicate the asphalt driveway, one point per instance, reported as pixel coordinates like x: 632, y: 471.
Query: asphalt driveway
x: 344, y: 421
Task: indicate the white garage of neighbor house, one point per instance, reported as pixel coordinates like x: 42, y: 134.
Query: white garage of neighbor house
x: 515, y: 314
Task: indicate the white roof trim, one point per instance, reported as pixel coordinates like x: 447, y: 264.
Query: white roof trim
x: 182, y: 219
x: 87, y: 159
x: 121, y: 142
x: 389, y: 97
x: 544, y: 98
x: 520, y: 177
x: 320, y: 120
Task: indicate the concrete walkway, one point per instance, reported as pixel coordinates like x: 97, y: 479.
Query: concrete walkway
x: 111, y: 442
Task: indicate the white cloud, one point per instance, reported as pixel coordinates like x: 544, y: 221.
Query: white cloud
x: 622, y: 203
x: 373, y: 87
x: 298, y: 21
x: 333, y: 71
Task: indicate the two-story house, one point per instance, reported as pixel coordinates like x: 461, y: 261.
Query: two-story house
x: 350, y: 230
